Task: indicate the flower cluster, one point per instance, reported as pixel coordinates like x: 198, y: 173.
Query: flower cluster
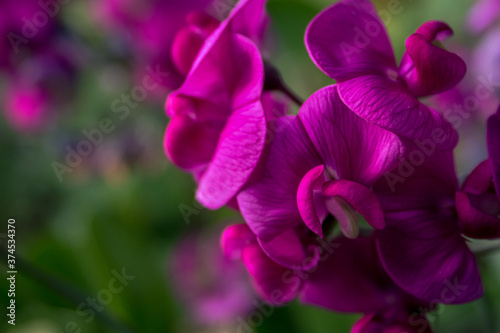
x: 353, y: 204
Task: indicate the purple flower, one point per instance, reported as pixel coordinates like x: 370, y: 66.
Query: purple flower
x: 421, y: 247
x: 349, y: 43
x: 322, y: 162
x: 352, y: 279
x: 482, y: 15
x: 478, y: 202
x: 214, y: 287
x: 218, y: 124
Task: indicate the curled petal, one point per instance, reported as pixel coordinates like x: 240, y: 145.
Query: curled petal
x: 476, y: 223
x: 311, y: 182
x: 433, y: 69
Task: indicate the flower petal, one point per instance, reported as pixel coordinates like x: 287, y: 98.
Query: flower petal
x: 475, y: 223
x: 293, y: 248
x: 235, y: 238
x: 190, y: 144
x: 430, y: 69
x: 350, y: 279
x: 240, y: 146
x: 483, y: 14
x: 348, y: 39
x: 311, y: 182
x: 387, y: 104
x: 347, y: 143
x: 269, y: 203
x: 425, y: 255
x: 273, y: 282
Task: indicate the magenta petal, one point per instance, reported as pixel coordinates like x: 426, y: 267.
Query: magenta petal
x: 493, y: 138
x: 350, y: 279
x: 337, y: 133
x: 435, y: 69
x: 273, y: 282
x: 311, y: 182
x: 360, y: 198
x: 269, y: 205
x: 425, y: 255
x: 240, y: 146
x: 387, y: 104
x: 348, y: 39
x: 292, y: 249
x: 235, y: 238
x: 249, y: 19
x: 190, y: 144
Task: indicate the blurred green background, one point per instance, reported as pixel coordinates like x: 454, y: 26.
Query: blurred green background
x: 120, y: 207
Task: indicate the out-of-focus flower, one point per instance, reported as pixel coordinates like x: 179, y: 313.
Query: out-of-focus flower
x: 323, y: 162
x: 158, y: 33
x: 478, y: 202
x: 39, y: 66
x: 421, y: 247
x: 348, y: 42
x: 482, y: 15
x: 218, y: 124
x: 215, y: 288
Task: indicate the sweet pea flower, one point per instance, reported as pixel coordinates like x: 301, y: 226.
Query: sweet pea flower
x: 352, y: 279
x: 421, y: 247
x: 218, y: 124
x: 214, y: 287
x: 349, y: 43
x: 478, y: 201
x: 322, y: 162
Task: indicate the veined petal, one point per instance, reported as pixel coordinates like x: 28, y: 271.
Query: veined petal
x: 387, y: 104
x: 237, y: 154
x: 351, y: 147
x: 348, y: 39
x: 269, y: 203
